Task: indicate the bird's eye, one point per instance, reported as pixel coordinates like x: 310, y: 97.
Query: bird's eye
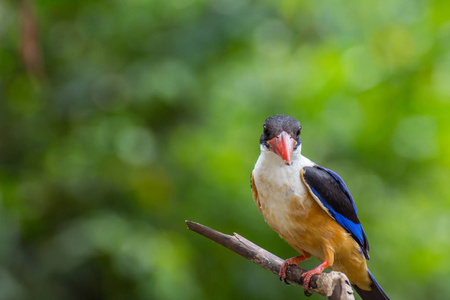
x: 298, y: 132
x: 266, y: 131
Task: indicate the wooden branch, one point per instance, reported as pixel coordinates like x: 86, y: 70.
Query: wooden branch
x: 334, y: 285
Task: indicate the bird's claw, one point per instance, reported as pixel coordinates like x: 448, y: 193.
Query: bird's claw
x: 285, y: 280
x: 306, y: 279
x: 283, y: 270
x: 291, y: 261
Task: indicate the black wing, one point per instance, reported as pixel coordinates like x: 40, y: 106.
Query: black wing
x: 332, y: 194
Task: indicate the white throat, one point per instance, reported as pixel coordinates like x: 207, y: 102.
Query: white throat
x: 276, y: 175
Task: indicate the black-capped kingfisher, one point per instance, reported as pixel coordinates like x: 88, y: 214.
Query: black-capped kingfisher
x: 310, y: 207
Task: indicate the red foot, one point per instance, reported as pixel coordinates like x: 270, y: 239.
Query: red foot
x: 317, y: 270
x: 292, y: 261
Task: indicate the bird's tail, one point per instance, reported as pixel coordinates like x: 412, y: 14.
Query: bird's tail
x: 376, y: 293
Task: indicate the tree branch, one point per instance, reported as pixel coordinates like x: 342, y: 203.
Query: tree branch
x: 334, y: 285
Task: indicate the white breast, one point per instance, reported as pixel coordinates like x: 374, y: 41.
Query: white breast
x: 278, y: 186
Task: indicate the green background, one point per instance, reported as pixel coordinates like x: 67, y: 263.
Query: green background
x: 149, y: 112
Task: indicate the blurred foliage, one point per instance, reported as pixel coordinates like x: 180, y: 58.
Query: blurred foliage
x: 149, y: 112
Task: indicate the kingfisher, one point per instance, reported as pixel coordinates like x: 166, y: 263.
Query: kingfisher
x: 311, y: 208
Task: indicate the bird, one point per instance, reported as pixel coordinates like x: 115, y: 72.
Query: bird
x: 311, y: 208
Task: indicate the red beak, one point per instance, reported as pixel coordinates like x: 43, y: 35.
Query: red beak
x: 283, y: 145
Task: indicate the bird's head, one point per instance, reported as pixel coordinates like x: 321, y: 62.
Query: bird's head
x: 281, y: 135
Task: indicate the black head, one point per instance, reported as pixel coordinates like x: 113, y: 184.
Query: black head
x: 281, y: 135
